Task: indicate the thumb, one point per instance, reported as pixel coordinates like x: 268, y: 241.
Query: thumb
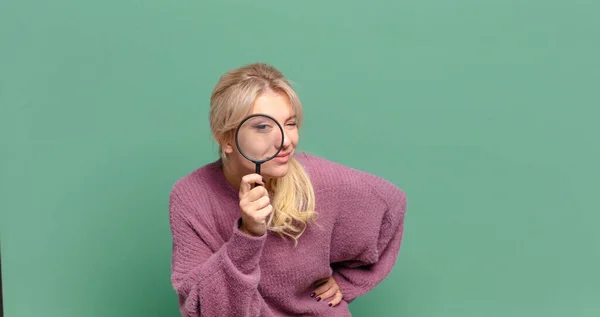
x: 248, y: 182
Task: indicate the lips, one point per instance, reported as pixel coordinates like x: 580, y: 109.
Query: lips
x: 283, y: 158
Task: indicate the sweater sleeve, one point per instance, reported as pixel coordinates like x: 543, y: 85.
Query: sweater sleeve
x: 223, y: 282
x: 367, y: 235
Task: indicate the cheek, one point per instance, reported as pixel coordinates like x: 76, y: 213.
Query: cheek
x: 244, y: 165
x: 240, y: 159
x: 293, y: 136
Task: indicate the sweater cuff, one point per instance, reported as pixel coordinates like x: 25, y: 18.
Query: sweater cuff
x: 245, y: 250
x: 349, y: 291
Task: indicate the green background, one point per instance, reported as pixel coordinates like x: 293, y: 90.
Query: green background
x: 484, y: 112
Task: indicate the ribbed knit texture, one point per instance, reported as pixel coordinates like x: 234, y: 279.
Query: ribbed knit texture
x: 218, y: 271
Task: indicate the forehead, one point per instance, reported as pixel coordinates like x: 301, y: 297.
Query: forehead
x: 275, y: 104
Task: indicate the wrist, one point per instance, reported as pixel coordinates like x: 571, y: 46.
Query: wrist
x: 244, y: 229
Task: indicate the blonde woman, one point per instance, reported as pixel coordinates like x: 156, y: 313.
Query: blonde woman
x: 310, y: 240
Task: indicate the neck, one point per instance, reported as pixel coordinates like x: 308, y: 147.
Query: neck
x: 234, y: 175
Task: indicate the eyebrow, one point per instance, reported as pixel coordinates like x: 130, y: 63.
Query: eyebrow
x: 291, y: 117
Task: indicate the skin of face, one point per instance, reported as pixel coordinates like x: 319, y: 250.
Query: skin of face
x: 278, y: 106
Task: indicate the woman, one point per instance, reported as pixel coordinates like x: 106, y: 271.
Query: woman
x: 240, y: 250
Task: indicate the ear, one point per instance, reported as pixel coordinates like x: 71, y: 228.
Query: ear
x: 226, y: 146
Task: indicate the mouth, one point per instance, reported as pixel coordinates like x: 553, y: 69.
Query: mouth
x: 283, y: 157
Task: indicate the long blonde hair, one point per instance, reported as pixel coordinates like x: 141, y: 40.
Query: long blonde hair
x: 293, y: 194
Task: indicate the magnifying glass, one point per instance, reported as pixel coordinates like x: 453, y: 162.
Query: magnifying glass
x: 259, y: 138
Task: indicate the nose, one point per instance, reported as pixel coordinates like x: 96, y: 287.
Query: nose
x: 286, y: 141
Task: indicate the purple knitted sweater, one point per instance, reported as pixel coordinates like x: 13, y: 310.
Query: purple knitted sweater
x: 218, y: 271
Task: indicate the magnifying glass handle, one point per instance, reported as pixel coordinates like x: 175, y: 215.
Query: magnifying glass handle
x: 257, y: 171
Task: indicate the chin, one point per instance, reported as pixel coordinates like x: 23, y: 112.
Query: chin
x: 276, y: 171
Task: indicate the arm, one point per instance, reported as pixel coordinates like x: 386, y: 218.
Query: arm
x: 369, y: 252
x: 214, y: 283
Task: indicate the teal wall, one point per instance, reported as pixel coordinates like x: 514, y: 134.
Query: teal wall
x: 484, y: 112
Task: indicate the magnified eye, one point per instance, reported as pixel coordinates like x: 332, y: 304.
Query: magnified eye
x: 262, y: 127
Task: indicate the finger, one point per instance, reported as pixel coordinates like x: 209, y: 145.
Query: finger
x: 323, y: 285
x: 254, y: 194
x: 322, y: 289
x: 247, y: 186
x: 320, y: 282
x: 328, y: 293
x: 259, y: 216
x: 263, y: 213
x: 261, y: 203
x: 248, y: 181
x: 337, y: 298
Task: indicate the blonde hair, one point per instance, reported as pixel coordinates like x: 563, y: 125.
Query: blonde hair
x: 293, y: 194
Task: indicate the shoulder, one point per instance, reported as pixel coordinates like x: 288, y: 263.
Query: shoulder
x: 330, y: 176
x: 197, y: 178
x: 326, y: 173
x: 366, y: 210
x: 195, y: 189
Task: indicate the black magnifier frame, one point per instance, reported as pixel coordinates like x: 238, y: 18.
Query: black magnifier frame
x: 237, y: 144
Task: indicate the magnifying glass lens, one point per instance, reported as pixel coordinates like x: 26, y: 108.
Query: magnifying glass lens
x: 259, y: 138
